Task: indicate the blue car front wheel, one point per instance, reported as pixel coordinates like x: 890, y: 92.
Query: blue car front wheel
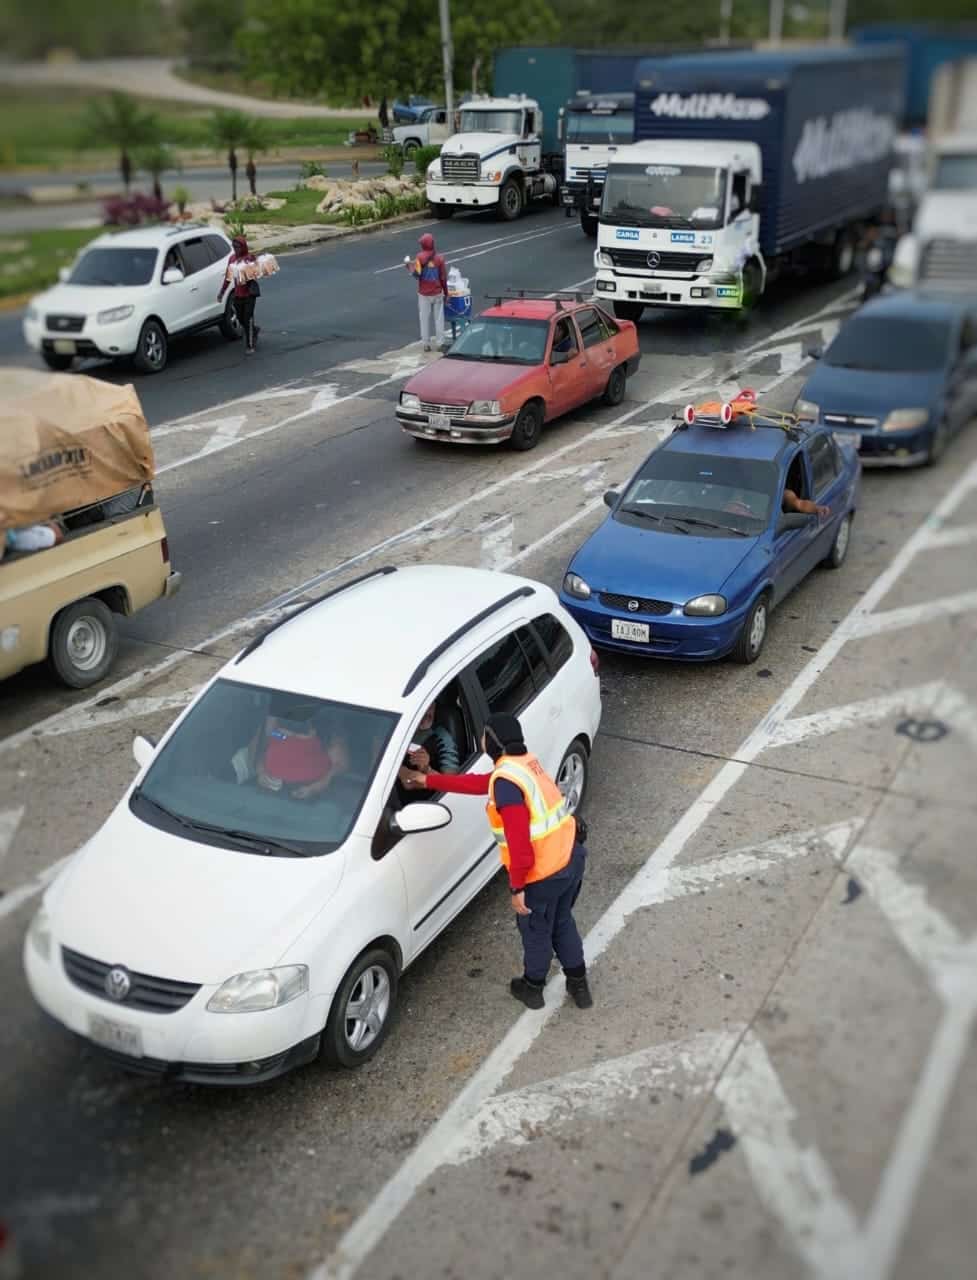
x: 839, y: 548
x: 749, y: 642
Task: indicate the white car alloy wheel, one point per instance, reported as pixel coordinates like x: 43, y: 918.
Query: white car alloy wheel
x: 571, y: 776
x: 367, y: 1008
x: 361, y: 1010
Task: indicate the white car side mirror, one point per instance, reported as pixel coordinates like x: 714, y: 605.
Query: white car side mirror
x: 143, y: 750
x: 172, y: 275
x: 420, y: 817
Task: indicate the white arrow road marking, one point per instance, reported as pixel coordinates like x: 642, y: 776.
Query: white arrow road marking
x: 97, y: 717
x: 793, y: 1181
x: 518, y: 1118
x: 496, y: 548
x: 952, y: 536
x: 913, y: 615
x: 231, y: 426
x: 9, y: 822
x: 919, y: 698
x: 226, y: 434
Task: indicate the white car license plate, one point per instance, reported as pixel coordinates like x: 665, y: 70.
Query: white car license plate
x: 64, y: 347
x: 439, y: 421
x: 115, y: 1035
x: 639, y: 631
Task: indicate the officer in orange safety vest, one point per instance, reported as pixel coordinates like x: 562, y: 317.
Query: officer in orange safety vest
x: 540, y: 846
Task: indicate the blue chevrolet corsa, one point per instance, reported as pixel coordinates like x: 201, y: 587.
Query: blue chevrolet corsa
x: 701, y: 545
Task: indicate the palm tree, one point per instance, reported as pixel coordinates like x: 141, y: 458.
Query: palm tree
x: 120, y: 120
x: 157, y: 160
x: 230, y: 130
x: 255, y: 142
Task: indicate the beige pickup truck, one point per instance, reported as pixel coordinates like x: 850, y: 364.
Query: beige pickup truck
x: 76, y: 460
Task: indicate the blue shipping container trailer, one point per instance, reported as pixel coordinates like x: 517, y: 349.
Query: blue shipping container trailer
x: 926, y: 48
x: 745, y: 164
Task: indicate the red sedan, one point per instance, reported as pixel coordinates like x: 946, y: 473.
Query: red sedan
x: 517, y: 366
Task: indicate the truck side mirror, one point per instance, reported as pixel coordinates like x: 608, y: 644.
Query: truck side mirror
x: 756, y: 197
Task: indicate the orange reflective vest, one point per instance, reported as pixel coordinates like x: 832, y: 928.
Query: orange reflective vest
x: 552, y: 828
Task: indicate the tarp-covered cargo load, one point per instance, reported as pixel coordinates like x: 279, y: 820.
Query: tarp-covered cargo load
x: 67, y: 441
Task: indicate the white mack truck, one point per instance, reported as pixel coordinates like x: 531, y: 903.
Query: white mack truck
x: 495, y: 160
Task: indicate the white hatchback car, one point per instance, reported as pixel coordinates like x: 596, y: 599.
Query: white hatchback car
x: 225, y: 925
x: 129, y: 293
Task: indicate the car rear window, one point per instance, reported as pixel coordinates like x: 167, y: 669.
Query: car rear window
x: 555, y: 637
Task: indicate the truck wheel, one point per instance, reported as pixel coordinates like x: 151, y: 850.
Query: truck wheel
x: 442, y: 210
x: 751, y: 286
x: 83, y: 643
x: 58, y: 363
x: 842, y: 256
x: 629, y: 310
x: 528, y: 428
x: 510, y: 201
x: 588, y: 223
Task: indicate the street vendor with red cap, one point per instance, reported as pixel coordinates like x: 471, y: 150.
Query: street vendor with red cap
x: 246, y: 292
x: 429, y: 270
x: 541, y: 846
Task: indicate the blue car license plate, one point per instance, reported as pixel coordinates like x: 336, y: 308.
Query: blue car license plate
x: 639, y: 632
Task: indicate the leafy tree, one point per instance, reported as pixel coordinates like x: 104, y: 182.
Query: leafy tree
x: 210, y: 27
x: 120, y: 120
x: 255, y: 141
x: 95, y: 29
x: 328, y: 48
x: 157, y: 160
x: 230, y: 130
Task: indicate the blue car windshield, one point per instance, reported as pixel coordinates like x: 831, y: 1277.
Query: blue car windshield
x: 263, y: 771
x: 891, y: 344
x: 721, y: 496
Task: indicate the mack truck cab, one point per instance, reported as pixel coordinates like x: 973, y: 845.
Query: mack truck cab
x: 495, y: 161
x: 679, y: 226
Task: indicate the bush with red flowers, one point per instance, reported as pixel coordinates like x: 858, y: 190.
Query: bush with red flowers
x: 134, y: 210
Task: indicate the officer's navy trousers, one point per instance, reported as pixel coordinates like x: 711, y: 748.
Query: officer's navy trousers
x: 550, y: 926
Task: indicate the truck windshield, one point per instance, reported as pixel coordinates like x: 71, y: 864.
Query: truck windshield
x: 584, y: 126
x: 491, y: 121
x: 956, y: 173
x: 664, y: 195
x: 502, y: 338
x: 263, y: 771
x: 114, y: 267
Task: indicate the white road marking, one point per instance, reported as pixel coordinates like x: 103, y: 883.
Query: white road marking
x: 912, y: 615
x: 517, y: 1118
x: 233, y: 424
x: 953, y: 536
x: 794, y: 1182
x: 499, y: 242
x: 96, y: 717
x: 847, y: 716
x: 9, y: 822
x: 12, y: 901
x: 496, y: 546
x: 368, y: 1230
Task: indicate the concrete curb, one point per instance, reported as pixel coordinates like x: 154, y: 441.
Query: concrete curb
x: 342, y: 233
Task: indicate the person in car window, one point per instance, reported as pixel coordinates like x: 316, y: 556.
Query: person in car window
x: 741, y: 504
x: 791, y: 502
x: 563, y: 337
x: 291, y: 757
x: 437, y: 751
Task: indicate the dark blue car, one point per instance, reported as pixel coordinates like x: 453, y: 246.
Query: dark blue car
x: 900, y: 376
x: 698, y: 548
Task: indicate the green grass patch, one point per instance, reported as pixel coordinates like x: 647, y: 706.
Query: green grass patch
x: 299, y: 210
x: 42, y: 127
x: 30, y: 260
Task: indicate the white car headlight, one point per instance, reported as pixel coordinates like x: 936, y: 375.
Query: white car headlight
x: 906, y: 419
x: 574, y: 585
x: 705, y: 607
x: 604, y: 259
x: 260, y: 989
x: 486, y: 408
x: 409, y: 401
x: 114, y: 315
x: 40, y: 934
x: 807, y: 410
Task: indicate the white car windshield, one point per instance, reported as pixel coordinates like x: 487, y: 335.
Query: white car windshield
x: 664, y: 195
x: 491, y: 121
x: 115, y: 267
x: 265, y: 772
x: 502, y: 338
x: 701, y: 494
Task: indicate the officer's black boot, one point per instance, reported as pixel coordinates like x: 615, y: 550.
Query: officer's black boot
x: 530, y: 993
x: 578, y: 988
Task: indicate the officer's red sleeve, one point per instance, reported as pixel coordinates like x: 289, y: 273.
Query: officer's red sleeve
x: 460, y: 784
x: 515, y: 823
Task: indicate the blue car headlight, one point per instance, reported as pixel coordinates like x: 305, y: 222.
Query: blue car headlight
x: 575, y: 586
x: 906, y: 419
x: 705, y: 607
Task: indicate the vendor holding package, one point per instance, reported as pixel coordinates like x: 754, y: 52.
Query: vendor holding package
x: 246, y: 291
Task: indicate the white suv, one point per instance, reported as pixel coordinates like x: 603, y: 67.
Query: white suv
x: 129, y: 293
x: 233, y: 918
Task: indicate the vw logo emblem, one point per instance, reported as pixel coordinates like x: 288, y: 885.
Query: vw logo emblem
x: 118, y: 984
x: 634, y: 606
x: 654, y: 260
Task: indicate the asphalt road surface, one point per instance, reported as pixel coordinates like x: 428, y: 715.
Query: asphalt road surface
x: 778, y: 1076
